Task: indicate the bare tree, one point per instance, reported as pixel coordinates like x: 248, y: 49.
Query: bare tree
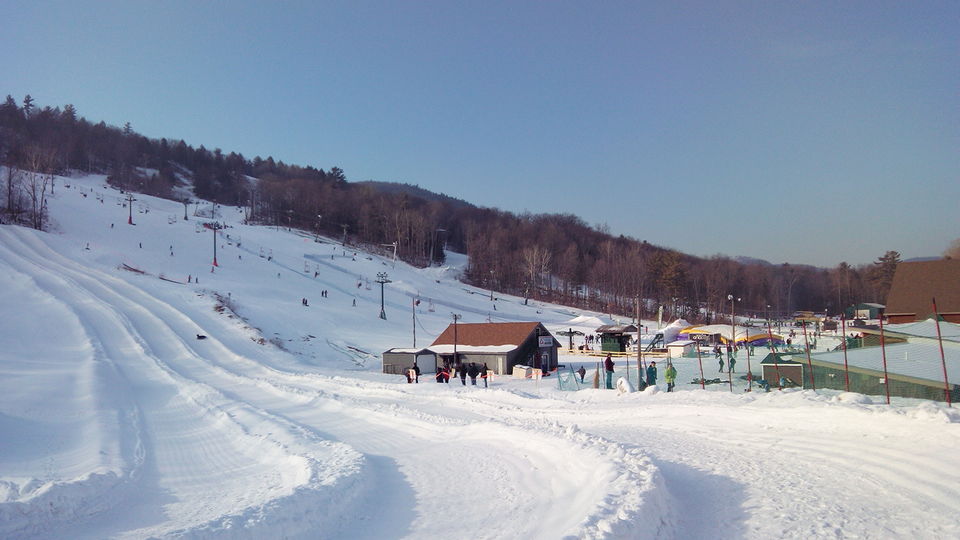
x: 536, y: 262
x: 13, y: 178
x: 38, y: 180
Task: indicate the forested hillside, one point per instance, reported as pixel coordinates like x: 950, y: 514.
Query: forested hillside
x: 555, y: 257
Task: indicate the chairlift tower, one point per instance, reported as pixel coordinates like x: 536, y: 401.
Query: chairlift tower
x: 382, y: 279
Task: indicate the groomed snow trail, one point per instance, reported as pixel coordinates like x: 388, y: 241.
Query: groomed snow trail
x: 222, y: 445
x: 761, y: 466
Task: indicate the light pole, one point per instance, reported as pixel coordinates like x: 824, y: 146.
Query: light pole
x: 456, y: 317
x: 382, y: 280
x: 733, y: 339
x: 491, y: 285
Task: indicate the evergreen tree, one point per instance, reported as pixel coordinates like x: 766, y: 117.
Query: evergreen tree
x: 27, y: 105
x: 881, y: 275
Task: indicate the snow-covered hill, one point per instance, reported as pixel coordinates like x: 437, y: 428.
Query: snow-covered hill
x: 118, y: 422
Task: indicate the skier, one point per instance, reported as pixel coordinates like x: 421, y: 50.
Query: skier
x: 652, y: 374
x: 608, y: 368
x: 671, y: 376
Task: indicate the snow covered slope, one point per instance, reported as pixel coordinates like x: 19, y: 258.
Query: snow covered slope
x: 118, y: 422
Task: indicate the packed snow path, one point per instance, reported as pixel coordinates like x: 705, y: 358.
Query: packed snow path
x: 209, y: 441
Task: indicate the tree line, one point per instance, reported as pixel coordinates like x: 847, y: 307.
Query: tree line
x: 551, y: 257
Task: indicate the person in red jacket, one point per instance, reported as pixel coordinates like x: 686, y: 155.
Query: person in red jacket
x: 608, y: 367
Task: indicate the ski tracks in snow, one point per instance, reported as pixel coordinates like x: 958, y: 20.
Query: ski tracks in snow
x: 201, y: 452
x: 227, y: 446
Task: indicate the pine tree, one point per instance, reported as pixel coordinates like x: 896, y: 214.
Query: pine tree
x: 881, y: 274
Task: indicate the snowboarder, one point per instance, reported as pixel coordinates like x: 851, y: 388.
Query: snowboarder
x: 608, y: 368
x: 652, y: 374
x: 473, y: 371
x: 671, y: 376
x: 582, y: 371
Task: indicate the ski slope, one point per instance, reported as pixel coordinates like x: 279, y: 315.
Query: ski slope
x: 118, y: 422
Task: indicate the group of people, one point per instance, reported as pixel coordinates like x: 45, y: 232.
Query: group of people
x: 731, y: 358
x: 670, y: 375
x: 444, y: 372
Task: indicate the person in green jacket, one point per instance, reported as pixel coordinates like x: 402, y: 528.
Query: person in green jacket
x: 671, y: 376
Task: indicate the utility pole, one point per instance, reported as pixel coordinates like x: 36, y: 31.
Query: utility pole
x: 639, y: 343
x: 456, y: 317
x: 415, y: 303
x: 382, y: 280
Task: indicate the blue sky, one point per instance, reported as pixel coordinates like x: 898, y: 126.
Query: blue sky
x: 813, y: 132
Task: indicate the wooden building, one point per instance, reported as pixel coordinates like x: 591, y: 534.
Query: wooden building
x: 498, y: 345
x: 616, y: 337
x: 916, y: 284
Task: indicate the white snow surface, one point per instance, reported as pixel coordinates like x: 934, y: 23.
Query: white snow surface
x: 118, y: 422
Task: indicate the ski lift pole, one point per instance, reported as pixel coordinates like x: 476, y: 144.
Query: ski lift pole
x: 943, y: 360
x: 214, y: 229
x: 130, y: 200
x: 382, y: 279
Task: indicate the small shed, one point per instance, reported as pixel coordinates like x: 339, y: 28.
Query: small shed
x: 865, y: 310
x: 777, y: 365
x: 681, y: 348
x: 615, y: 337
x: 396, y: 360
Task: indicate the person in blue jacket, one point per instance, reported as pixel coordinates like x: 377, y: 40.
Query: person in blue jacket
x: 652, y: 374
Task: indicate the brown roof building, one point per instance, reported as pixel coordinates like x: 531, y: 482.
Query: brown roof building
x: 916, y: 284
x: 500, y: 345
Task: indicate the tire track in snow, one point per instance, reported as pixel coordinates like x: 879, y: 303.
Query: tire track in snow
x: 188, y: 413
x: 103, y: 433
x: 183, y: 365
